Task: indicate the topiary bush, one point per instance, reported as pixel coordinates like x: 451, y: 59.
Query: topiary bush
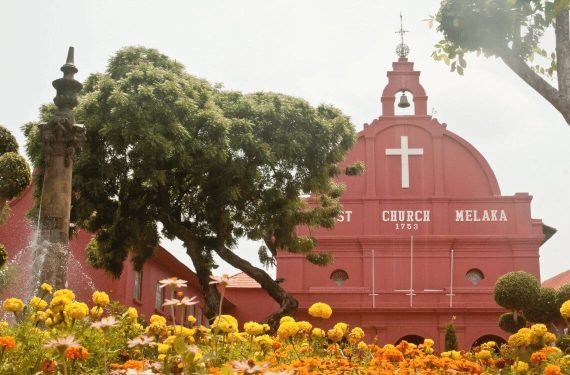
x: 7, y: 141
x: 545, y: 309
x: 14, y: 175
x: 563, y: 295
x: 516, y: 290
x: 508, y: 324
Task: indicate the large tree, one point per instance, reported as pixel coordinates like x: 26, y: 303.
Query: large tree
x: 513, y: 31
x: 210, y: 165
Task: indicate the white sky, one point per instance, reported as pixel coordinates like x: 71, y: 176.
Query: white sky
x: 336, y: 52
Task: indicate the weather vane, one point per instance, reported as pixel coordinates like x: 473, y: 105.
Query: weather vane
x: 402, y: 50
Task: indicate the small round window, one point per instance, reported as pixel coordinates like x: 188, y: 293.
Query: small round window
x: 474, y: 276
x: 339, y: 277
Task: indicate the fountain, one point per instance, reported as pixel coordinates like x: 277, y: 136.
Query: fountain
x: 62, y: 138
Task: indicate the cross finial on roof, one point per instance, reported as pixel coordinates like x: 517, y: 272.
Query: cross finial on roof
x: 402, y: 49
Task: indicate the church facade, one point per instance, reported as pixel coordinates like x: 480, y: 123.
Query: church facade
x: 424, y: 234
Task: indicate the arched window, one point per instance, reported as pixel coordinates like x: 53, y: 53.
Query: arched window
x: 339, y: 277
x: 474, y: 276
x: 486, y: 338
x: 412, y: 339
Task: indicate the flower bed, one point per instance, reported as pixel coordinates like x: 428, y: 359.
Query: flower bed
x: 64, y: 336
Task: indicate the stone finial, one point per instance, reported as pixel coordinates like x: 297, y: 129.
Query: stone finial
x: 68, y: 87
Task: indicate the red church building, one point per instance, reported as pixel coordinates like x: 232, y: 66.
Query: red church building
x: 424, y: 235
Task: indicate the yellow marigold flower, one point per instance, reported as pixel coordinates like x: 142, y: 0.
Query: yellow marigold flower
x: 48, y: 322
x: 538, y: 329
x: 76, y: 310
x: 13, y: 304
x: 38, y: 303
x: 491, y: 344
x: 100, y: 298
x: 191, y: 319
x: 335, y: 334
x: 157, y: 319
x: 355, y: 335
x: 41, y: 315
x: 131, y: 314
x: 362, y: 346
x: 549, y: 338
x: 264, y: 340
x: 225, y: 324
x: 565, y: 309
x: 161, y: 357
x: 343, y: 327
x: 518, y: 340
x: 455, y: 354
x: 445, y: 354
x: 59, y: 302
x: 236, y: 337
x: 286, y: 318
x: 320, y: 310
x: 157, y: 328
x: 96, y: 311
x: 162, y: 348
x: 287, y: 329
x: 183, y: 331
x: 552, y: 370
x: 46, y: 288
x: 317, y: 332
x: 483, y: 355
x: 428, y: 342
x: 64, y: 292
x: 520, y: 367
x: 304, y: 327
x: 253, y: 328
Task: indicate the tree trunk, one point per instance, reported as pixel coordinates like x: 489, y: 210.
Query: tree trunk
x: 201, y: 263
x: 561, y: 28
x: 288, y: 304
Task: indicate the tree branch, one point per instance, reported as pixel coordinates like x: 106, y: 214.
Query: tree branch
x: 288, y: 303
x: 562, y: 32
x: 547, y: 91
x: 203, y: 271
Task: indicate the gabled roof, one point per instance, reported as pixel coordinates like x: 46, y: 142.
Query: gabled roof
x: 558, y: 280
x: 241, y: 280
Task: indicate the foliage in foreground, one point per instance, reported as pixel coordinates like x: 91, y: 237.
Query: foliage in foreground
x: 64, y: 336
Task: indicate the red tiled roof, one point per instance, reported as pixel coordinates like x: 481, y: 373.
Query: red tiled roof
x: 241, y: 280
x: 558, y: 280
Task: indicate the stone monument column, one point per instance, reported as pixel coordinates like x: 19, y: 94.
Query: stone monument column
x: 62, y: 138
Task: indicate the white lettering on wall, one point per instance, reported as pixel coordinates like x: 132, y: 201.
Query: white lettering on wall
x: 406, y: 216
x: 344, y: 217
x: 477, y: 215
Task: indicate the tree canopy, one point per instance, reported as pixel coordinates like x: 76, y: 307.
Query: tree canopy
x: 210, y: 165
x: 512, y: 30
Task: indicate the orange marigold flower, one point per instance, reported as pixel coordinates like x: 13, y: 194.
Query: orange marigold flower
x: 537, y: 357
x: 76, y: 352
x: 49, y: 365
x: 7, y: 342
x: 552, y: 370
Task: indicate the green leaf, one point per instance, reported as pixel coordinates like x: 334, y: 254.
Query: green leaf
x: 460, y: 70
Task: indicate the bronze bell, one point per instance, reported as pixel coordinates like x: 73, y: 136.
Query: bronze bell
x: 404, y: 103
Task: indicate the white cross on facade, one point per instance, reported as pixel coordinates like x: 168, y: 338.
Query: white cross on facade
x: 404, y: 152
